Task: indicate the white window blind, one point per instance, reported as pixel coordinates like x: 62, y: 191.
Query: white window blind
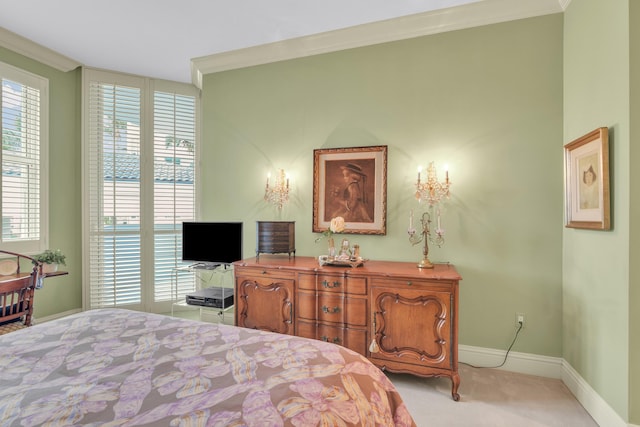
x: 24, y: 100
x: 114, y: 194
x: 140, y: 186
x: 174, y: 128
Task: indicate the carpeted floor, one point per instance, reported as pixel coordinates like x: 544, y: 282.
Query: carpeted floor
x: 491, y: 397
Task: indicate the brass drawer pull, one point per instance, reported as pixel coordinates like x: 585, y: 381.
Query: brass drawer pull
x: 331, y: 311
x: 335, y: 340
x: 326, y: 284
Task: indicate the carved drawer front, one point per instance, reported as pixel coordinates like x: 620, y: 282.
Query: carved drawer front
x: 332, y: 308
x: 306, y: 306
x: 333, y: 283
x: 353, y: 339
x: 413, y: 326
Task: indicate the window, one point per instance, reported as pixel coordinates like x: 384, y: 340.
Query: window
x: 24, y: 207
x: 136, y: 201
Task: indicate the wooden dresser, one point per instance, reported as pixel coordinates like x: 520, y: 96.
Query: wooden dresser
x: 410, y: 313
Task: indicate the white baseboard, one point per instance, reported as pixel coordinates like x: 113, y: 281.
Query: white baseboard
x: 524, y: 363
x: 599, y: 410
x: 37, y: 320
x: 549, y: 367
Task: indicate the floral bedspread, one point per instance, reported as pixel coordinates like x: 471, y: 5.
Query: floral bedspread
x: 114, y: 367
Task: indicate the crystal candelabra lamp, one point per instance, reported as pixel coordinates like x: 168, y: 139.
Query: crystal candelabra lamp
x: 431, y: 191
x: 278, y: 194
x: 425, y: 236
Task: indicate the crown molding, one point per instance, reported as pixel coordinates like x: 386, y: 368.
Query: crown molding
x: 35, y: 51
x: 564, y: 4
x: 481, y: 12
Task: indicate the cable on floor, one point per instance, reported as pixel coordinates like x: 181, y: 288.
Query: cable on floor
x: 505, y: 356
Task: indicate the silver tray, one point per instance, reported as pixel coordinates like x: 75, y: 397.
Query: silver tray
x: 352, y: 262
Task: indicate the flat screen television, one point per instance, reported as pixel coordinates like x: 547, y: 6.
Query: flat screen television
x: 211, y: 243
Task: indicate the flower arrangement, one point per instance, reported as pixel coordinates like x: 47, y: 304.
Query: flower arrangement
x: 337, y: 225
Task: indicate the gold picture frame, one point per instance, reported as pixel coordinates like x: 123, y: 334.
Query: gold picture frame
x: 351, y: 183
x: 586, y: 174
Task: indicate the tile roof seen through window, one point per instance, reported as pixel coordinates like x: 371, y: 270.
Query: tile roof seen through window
x: 123, y: 166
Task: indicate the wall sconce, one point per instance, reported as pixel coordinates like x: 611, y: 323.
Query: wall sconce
x: 432, y: 190
x: 277, y: 194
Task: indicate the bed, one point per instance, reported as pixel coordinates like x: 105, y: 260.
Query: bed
x: 115, y: 367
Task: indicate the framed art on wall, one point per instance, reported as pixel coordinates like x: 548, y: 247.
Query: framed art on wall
x: 586, y: 172
x: 350, y: 183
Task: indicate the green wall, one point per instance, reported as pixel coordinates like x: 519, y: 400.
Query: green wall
x: 486, y: 101
x: 596, y: 263
x: 62, y: 293
x: 634, y: 230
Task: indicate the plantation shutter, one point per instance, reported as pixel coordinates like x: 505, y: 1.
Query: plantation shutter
x: 114, y: 151
x: 140, y: 186
x: 174, y: 129
x: 24, y: 134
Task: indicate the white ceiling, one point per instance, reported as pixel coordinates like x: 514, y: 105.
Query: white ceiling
x: 159, y: 38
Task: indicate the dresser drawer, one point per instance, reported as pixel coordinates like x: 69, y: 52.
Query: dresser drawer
x: 332, y: 308
x: 353, y: 339
x: 431, y: 285
x: 333, y: 283
x: 274, y: 273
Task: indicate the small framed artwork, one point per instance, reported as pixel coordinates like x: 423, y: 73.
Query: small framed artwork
x: 350, y: 183
x: 586, y: 174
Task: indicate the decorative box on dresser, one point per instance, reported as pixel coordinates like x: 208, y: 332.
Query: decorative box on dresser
x: 410, y: 313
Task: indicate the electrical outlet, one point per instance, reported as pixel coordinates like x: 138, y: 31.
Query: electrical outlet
x: 519, y: 319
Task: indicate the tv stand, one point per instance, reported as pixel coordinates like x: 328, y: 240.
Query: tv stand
x: 199, y: 276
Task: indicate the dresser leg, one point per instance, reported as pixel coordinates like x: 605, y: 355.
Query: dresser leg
x: 455, y: 383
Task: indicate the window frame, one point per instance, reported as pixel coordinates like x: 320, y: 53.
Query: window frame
x: 148, y: 89
x: 26, y: 78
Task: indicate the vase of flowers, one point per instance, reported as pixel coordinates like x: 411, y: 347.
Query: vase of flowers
x: 336, y: 225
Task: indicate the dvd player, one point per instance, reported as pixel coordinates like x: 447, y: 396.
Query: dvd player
x: 211, y: 297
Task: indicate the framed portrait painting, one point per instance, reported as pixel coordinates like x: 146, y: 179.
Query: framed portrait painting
x: 350, y: 183
x: 586, y: 174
